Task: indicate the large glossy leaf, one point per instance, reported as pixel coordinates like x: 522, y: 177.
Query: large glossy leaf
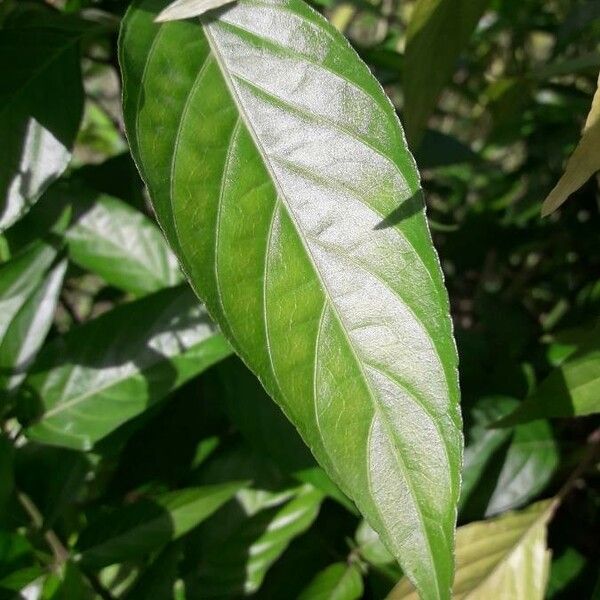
x: 504, y: 557
x: 571, y: 390
x: 120, y: 244
x: 279, y: 174
x: 112, y: 368
x: 437, y: 32
x: 504, y: 468
x: 146, y: 525
x: 41, y: 102
x: 339, y: 581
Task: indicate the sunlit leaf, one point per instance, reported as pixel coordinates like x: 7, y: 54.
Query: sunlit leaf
x: 109, y: 370
x: 339, y: 581
x: 278, y: 171
x: 502, y: 557
x: 184, y: 9
x: 582, y: 164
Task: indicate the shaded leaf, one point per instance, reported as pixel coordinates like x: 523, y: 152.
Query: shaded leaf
x: 122, y: 245
x: 339, y: 581
x: 571, y: 390
x: 299, y: 219
x: 139, y: 528
x: 437, y: 33
x: 42, y: 101
x: 582, y: 164
x: 495, y: 556
x: 108, y: 370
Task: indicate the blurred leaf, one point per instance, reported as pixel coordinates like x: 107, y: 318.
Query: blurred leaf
x: 146, y: 525
x: 339, y: 581
x: 310, y: 249
x: 184, y: 9
x: 7, y: 477
x: 437, y: 33
x: 506, y: 555
x: 41, y: 98
x: 370, y: 546
x: 249, y: 544
x: 513, y: 466
x: 29, y: 327
x: 571, y: 390
x: 109, y: 370
x: 564, y: 569
x: 582, y: 164
x: 440, y: 149
x: 122, y: 245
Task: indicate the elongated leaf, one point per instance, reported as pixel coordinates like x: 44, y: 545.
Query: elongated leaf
x: 41, y: 102
x: 184, y: 9
x: 504, y: 469
x: 121, y: 245
x: 249, y: 545
x: 502, y: 557
x: 109, y: 370
x: 279, y: 174
x: 340, y: 581
x: 27, y: 331
x: 148, y: 524
x: 437, y: 33
x: 582, y: 164
x: 571, y: 390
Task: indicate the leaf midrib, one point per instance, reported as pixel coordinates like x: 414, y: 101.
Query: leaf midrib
x: 234, y: 96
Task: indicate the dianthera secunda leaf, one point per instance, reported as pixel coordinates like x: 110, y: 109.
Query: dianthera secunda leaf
x: 279, y: 173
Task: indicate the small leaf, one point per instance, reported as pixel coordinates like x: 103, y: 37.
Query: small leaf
x: 148, y: 524
x: 437, y: 33
x: 122, y: 245
x: 185, y: 9
x: 248, y: 544
x: 41, y: 100
x: 571, y: 390
x: 110, y: 369
x: 279, y: 174
x: 492, y: 557
x: 504, y: 469
x: 28, y: 329
x: 339, y: 581
x: 584, y: 161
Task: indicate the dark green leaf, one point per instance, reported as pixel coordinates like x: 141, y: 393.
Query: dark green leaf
x: 146, y: 525
x: 112, y: 368
x: 41, y: 103
x: 279, y: 174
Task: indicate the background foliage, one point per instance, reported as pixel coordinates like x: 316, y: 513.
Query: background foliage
x: 140, y: 459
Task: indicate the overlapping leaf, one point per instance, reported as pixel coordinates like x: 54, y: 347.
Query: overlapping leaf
x: 41, y: 102
x: 339, y: 581
x: 112, y: 368
x: 279, y: 174
x: 504, y: 557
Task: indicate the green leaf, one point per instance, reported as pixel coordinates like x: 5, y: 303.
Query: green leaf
x: 506, y: 555
x: 122, y: 245
x: 41, y: 100
x: 571, y: 390
x: 146, y: 525
x: 582, y: 164
x: 109, y: 370
x: 504, y: 469
x: 339, y: 581
x: 249, y: 541
x: 184, y: 9
x: 28, y: 329
x: 278, y: 172
x: 437, y: 33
